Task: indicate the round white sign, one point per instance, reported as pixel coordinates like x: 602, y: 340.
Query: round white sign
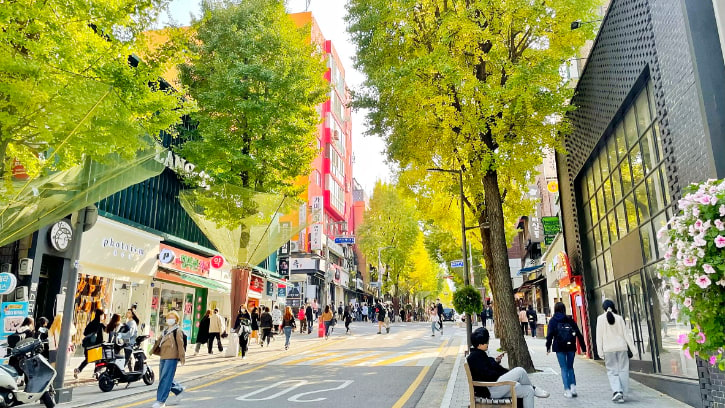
x: 61, y: 234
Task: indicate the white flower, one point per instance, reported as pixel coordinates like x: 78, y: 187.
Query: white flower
x: 708, y: 268
x: 721, y: 282
x: 722, y: 210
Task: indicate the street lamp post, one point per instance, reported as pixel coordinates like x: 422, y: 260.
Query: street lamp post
x: 466, y: 280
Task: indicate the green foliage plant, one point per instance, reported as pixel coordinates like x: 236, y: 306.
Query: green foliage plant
x: 467, y: 300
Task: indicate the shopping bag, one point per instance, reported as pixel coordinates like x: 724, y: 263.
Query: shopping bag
x: 232, y: 345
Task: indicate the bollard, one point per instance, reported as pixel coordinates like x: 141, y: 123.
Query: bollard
x: 321, y: 329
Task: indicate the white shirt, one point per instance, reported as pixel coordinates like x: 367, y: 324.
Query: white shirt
x: 613, y: 337
x: 276, y: 316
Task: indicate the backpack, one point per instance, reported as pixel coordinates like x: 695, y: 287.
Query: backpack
x: 566, y: 333
x: 183, y: 335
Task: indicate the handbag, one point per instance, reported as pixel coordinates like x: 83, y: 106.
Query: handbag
x: 629, y: 353
x: 89, y: 340
x: 156, y: 349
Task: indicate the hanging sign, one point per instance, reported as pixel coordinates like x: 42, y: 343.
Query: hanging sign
x: 256, y: 284
x: 217, y: 262
x: 8, y: 281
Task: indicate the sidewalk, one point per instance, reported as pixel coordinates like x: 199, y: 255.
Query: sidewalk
x: 592, y: 384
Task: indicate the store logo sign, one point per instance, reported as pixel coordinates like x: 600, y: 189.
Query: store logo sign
x: 123, y: 249
x: 166, y: 256
x: 8, y: 281
x: 217, y: 262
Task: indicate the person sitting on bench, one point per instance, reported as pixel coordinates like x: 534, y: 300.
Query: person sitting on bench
x: 489, y: 369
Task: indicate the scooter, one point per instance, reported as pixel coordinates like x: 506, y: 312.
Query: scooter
x: 28, y: 377
x: 111, y: 369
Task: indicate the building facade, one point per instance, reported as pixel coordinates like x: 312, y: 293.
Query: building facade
x: 645, y: 126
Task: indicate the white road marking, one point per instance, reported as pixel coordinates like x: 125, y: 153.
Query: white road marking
x: 296, y: 398
x: 285, y: 390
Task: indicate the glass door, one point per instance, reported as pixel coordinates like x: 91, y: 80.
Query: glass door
x: 634, y: 310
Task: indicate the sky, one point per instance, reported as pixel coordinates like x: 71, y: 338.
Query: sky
x: 369, y: 151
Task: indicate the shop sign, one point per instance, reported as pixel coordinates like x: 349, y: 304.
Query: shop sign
x: 282, y: 291
x: 12, y: 315
x: 302, y: 264
x: 283, y: 267
x: 270, y: 288
x: 359, y: 284
x: 551, y: 228
x: 8, y: 281
x: 316, y: 237
x: 60, y: 235
x: 184, y: 261
x: 553, y: 186
x: 335, y: 248
x: 317, y: 203
x: 256, y: 284
x: 217, y: 262
x: 563, y: 269
x: 536, y: 231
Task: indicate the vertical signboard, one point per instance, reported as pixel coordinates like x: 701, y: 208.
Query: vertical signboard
x: 316, y: 237
x: 12, y: 315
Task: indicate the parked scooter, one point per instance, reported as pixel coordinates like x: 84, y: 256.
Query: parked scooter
x: 112, y: 369
x: 28, y: 378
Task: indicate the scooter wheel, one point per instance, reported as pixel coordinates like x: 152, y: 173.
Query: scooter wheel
x: 105, y: 382
x: 48, y: 399
x: 148, y: 376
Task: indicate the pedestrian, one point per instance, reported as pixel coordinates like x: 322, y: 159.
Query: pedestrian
x: 288, y: 324
x: 255, y: 324
x: 615, y: 345
x: 265, y: 323
x: 92, y: 336
x: 242, y: 326
x: 380, y: 316
x: 489, y: 369
x: 216, y: 325
x: 111, y: 333
x: 561, y: 337
x: 433, y: 317
x: 277, y: 318
x: 302, y: 318
x: 402, y: 314
x: 347, y: 316
x: 310, y: 317
x: 54, y: 335
x: 170, y: 348
x: 532, y: 318
x: 327, y: 320
x: 41, y: 333
x: 315, y: 307
x: 439, y: 310
x: 489, y: 314
x: 202, y: 336
x: 340, y: 310
x: 524, y: 320
x: 365, y: 312
x: 483, y: 317
x: 389, y: 315
x: 128, y: 333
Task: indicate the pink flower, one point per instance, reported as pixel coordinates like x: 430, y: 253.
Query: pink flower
x: 696, y: 212
x: 668, y: 254
x: 682, y: 339
x: 675, y: 312
x: 713, y: 360
x: 686, y: 352
x: 686, y: 284
x: 713, y: 200
x: 720, y: 241
x: 701, y: 338
x: 703, y: 281
x: 690, y: 260
x: 698, y: 241
x: 666, y: 296
x: 722, y: 210
x: 704, y: 199
x: 697, y: 224
x: 708, y: 268
x: 719, y: 225
x: 677, y: 289
x: 687, y: 302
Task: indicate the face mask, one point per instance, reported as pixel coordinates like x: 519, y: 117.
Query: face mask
x: 170, y: 322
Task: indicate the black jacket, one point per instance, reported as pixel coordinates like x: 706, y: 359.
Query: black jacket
x: 203, y: 334
x: 380, y: 312
x: 531, y: 315
x: 240, y: 317
x: 309, y: 314
x: 557, y: 319
x: 95, y: 327
x: 484, y: 368
x: 439, y: 309
x: 265, y: 321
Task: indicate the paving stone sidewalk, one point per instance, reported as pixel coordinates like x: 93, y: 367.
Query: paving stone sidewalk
x: 592, y: 384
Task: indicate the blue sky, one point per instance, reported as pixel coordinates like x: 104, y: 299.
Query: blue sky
x: 369, y: 151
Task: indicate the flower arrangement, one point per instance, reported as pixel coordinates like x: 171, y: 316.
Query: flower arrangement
x: 694, y: 251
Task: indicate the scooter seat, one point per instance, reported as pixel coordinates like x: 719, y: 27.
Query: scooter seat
x: 10, y: 370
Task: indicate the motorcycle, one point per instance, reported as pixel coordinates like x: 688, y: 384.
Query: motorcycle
x: 111, y: 369
x: 28, y: 377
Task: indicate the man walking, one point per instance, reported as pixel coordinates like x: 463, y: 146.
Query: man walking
x: 365, y: 312
x: 532, y: 317
x: 439, y: 308
x: 309, y: 314
x: 215, y: 329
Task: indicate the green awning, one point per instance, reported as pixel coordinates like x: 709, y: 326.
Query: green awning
x: 207, y: 283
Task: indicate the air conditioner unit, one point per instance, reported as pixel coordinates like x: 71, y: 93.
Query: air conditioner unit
x: 6, y: 268
x: 26, y: 266
x: 21, y: 293
x: 294, y: 246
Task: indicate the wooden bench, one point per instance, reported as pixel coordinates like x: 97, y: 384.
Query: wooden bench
x: 479, y: 402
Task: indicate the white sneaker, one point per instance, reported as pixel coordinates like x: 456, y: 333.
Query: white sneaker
x: 567, y: 394
x: 573, y: 390
x: 158, y: 405
x: 618, y: 397
x: 538, y: 392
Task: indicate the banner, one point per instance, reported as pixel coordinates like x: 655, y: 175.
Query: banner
x: 12, y: 316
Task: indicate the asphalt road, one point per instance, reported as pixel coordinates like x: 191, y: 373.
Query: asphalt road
x: 359, y: 370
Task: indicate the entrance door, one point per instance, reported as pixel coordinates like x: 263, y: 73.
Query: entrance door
x: 635, y: 313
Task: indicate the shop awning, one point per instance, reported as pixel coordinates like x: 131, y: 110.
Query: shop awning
x: 173, y: 278
x: 530, y: 269
x: 207, y: 283
x: 269, y: 275
x: 530, y: 283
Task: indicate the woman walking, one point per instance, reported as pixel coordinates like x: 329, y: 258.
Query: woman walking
x: 288, y: 324
x: 255, y: 324
x: 433, y: 319
x: 202, y: 335
x: 301, y: 317
x: 347, y: 317
x: 327, y: 320
x: 562, y: 335
x: 614, y: 344
x: 243, y: 328
x: 524, y: 320
x: 170, y: 348
x: 265, y: 323
x: 92, y: 336
x: 112, y: 329
x: 129, y: 333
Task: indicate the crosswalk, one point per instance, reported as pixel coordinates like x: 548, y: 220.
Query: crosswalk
x: 421, y: 357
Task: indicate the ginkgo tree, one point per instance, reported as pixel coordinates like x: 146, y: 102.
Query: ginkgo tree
x: 474, y: 86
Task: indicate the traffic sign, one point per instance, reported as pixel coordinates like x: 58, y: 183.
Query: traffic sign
x: 457, y: 264
x: 345, y: 240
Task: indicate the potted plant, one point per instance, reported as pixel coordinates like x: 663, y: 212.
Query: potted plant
x: 467, y: 300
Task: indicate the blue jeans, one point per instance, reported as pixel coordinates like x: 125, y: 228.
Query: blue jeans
x: 287, y: 334
x: 167, y: 384
x: 327, y: 327
x: 434, y: 327
x: 566, y: 363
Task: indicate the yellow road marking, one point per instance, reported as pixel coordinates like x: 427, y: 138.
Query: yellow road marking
x: 409, y: 392
x: 329, y: 360
x: 134, y: 404
x: 312, y: 357
x: 372, y: 355
x: 395, y: 359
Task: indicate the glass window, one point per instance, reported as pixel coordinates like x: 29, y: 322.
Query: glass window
x: 617, y: 185
x: 621, y: 143
x: 607, y: 188
x: 593, y: 207
x: 658, y: 139
x: 608, y: 266
x: 593, y: 275
x: 626, y: 176
x: 621, y: 220
x: 612, y: 227
x: 587, y: 217
x: 583, y: 187
x: 612, y: 154
x: 590, y: 241
x: 654, y: 187
x: 600, y: 203
x: 648, y: 242
x: 657, y: 223
x: 649, y: 156
x: 603, y: 225
x: 637, y: 170
x: 590, y: 182
x: 631, y: 211
x: 665, y: 185
x: 597, y: 173
x: 642, y: 204
x: 643, y: 114
x: 651, y: 98
x: 603, y: 163
x: 601, y: 269
x: 630, y: 128
x: 597, y: 240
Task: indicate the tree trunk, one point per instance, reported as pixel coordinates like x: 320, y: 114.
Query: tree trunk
x: 499, y: 275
